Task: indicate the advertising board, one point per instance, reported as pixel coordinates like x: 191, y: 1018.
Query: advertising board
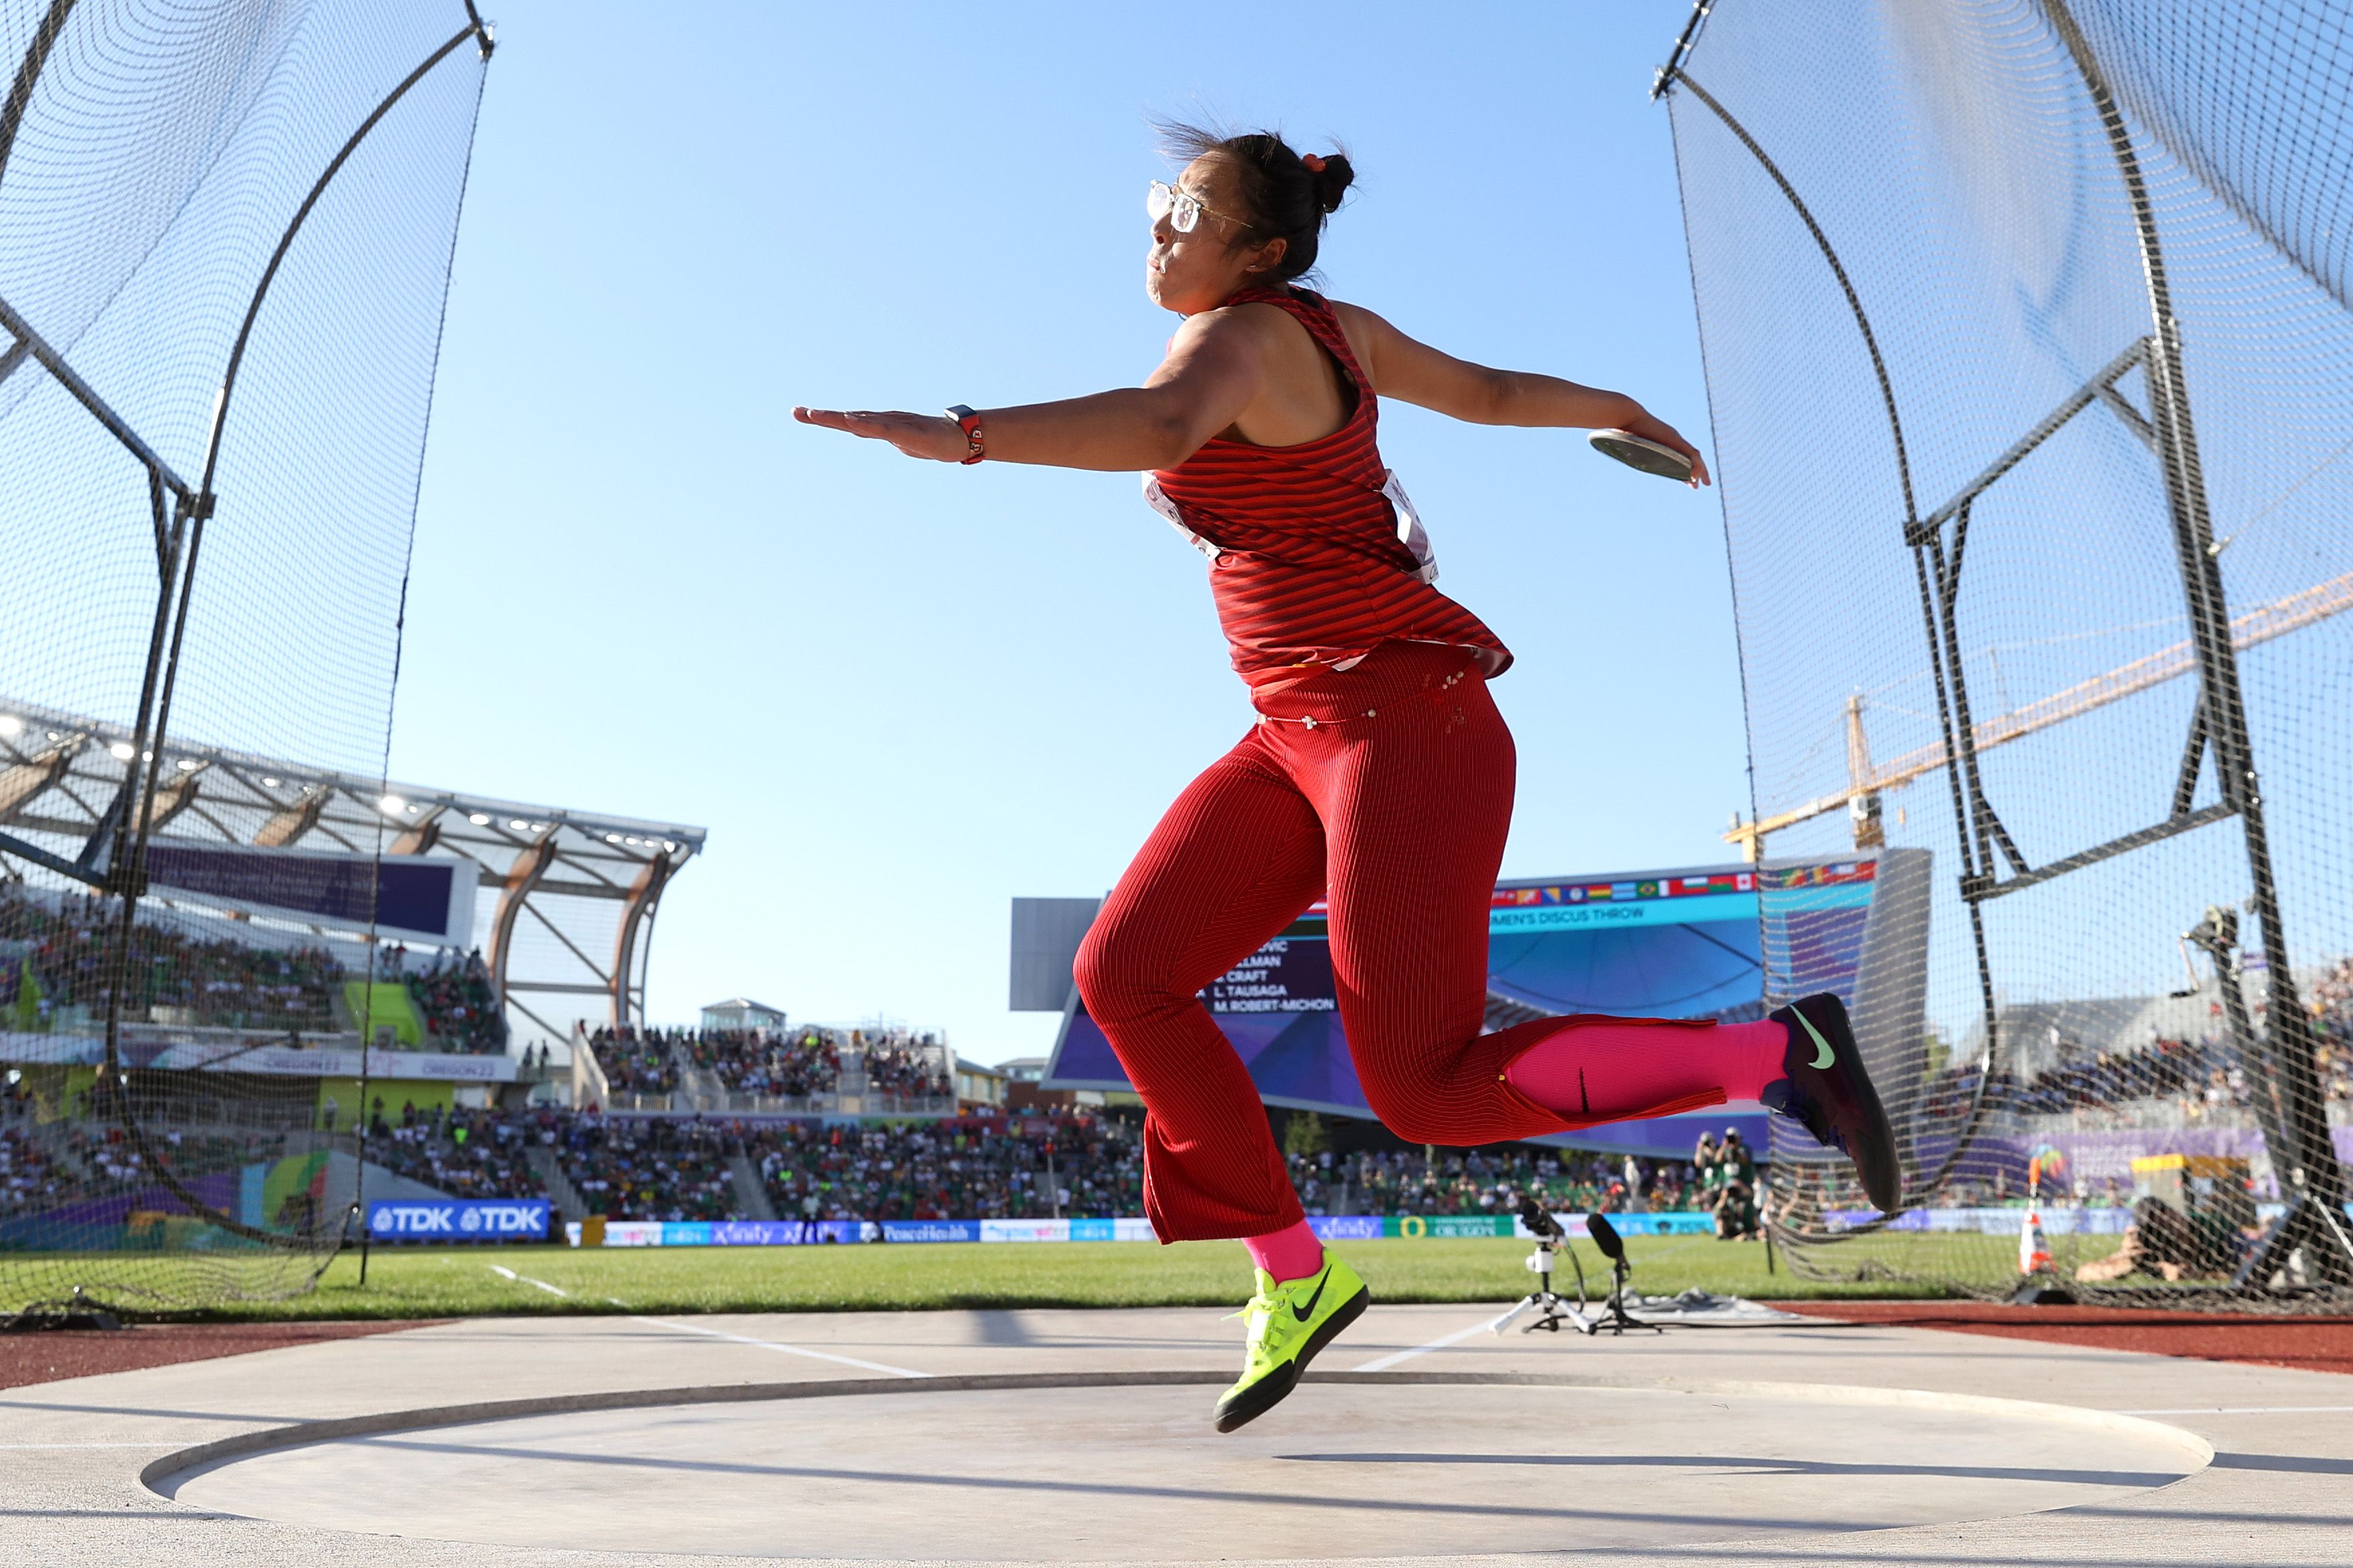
x: 458, y: 1219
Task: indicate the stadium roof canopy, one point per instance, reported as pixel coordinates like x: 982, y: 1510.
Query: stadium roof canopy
x: 565, y: 899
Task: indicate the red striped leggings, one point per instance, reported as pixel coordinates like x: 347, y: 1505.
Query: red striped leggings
x: 1393, y: 805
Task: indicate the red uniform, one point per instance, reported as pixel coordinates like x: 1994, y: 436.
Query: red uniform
x: 1316, y: 556
x: 1379, y: 777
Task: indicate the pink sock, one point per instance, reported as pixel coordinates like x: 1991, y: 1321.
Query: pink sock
x: 1291, y: 1254
x: 1612, y: 1069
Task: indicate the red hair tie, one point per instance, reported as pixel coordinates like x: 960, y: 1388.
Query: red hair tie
x: 1315, y: 162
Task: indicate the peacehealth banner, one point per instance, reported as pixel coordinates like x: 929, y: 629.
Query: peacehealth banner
x: 458, y: 1219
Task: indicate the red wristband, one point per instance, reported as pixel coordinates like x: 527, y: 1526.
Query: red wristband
x: 975, y: 440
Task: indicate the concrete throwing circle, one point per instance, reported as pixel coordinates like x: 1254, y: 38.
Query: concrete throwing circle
x: 1125, y: 1467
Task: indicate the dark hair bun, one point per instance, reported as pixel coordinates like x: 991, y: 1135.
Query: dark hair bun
x: 1284, y: 195
x: 1331, y: 180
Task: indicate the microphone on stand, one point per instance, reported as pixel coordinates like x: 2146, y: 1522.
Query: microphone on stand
x: 1613, y: 1247
x: 1551, y: 1310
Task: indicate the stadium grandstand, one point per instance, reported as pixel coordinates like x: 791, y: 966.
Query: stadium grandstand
x: 495, y: 921
x: 1059, y: 1166
x: 329, y: 990
x: 810, y: 1069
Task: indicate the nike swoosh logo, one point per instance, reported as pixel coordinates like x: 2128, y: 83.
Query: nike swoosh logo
x: 1305, y: 1312
x: 1824, y: 1055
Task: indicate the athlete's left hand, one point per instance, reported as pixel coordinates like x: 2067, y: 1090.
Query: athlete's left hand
x: 929, y: 435
x: 1650, y: 427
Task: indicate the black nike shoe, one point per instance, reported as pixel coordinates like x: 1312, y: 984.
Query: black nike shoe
x: 1828, y: 1090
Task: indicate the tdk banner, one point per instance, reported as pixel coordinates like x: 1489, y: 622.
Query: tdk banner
x: 458, y: 1219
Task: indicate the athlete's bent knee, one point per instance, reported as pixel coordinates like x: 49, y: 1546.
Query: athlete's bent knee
x: 1118, y: 977
x: 1412, y: 1113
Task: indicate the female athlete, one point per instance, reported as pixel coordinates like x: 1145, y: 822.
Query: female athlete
x: 1379, y: 775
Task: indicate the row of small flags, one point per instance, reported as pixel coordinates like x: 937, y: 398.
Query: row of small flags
x: 1622, y: 892
x: 1774, y: 879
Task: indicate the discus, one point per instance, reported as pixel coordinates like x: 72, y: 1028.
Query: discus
x: 1641, y: 452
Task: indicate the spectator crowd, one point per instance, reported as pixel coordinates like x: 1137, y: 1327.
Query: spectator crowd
x: 635, y: 1167
x: 686, y: 1168
x: 1490, y: 1182
x: 786, y: 1063
x: 55, y: 949
x: 53, y: 966
x: 907, y: 1066
x: 454, y: 998
x: 960, y: 1168
x: 2331, y: 1002
x: 651, y: 1167
x: 636, y: 1061
x: 778, y: 1064
x: 29, y: 1172
x: 466, y: 1154
x: 70, y: 1160
x: 2194, y: 1082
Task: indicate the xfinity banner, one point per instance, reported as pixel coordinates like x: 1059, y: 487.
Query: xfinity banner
x: 458, y: 1219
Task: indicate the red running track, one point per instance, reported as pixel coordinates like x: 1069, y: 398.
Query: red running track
x: 85, y: 1352
x: 2307, y: 1344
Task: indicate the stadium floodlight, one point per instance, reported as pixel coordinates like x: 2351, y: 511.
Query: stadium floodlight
x: 122, y: 751
x: 393, y: 805
x: 271, y: 782
x: 479, y: 818
x: 519, y: 825
x: 11, y: 725
x: 189, y: 764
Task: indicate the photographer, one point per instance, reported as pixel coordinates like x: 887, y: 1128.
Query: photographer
x: 1735, y: 1198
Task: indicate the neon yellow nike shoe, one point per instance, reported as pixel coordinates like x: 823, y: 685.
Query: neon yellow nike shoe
x: 1289, y: 1322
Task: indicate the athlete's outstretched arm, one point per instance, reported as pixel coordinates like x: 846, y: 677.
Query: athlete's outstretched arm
x: 1413, y: 372
x: 1213, y: 370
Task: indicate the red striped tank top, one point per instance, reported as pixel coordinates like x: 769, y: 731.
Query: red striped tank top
x: 1316, y: 556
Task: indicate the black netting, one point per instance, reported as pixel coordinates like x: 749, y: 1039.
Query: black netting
x: 224, y: 239
x: 2028, y: 348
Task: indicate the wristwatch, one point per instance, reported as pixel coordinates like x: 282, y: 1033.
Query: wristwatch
x: 975, y: 440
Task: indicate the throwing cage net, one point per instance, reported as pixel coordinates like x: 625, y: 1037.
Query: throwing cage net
x: 2029, y: 348
x: 226, y: 230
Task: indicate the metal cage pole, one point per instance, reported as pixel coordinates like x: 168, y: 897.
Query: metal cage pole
x: 1939, y: 586
x: 128, y: 861
x: 2308, y: 1158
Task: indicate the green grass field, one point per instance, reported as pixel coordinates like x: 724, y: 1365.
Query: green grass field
x: 406, y: 1282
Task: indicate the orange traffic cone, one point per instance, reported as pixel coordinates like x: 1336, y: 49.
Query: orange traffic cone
x: 2033, y: 1247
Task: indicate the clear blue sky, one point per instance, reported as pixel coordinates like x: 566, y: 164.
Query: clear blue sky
x: 901, y: 694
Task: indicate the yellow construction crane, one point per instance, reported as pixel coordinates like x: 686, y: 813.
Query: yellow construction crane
x: 1866, y: 781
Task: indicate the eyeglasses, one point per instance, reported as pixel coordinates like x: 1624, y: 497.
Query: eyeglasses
x: 1181, y: 208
